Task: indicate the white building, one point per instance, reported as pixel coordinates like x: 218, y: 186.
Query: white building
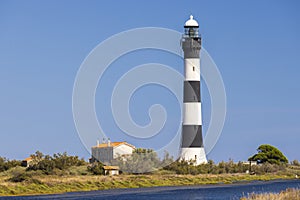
x: 106, y: 152
x: 111, y: 170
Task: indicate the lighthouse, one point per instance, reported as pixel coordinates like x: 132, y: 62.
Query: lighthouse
x: 192, y: 148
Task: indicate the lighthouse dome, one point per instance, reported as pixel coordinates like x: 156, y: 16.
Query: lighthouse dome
x: 191, y: 22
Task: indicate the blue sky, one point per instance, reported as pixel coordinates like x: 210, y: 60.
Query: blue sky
x: 255, y: 45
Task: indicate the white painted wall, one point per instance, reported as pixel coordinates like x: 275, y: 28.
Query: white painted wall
x: 192, y: 113
x: 111, y: 172
x: 192, y: 69
x: 190, y: 154
x: 122, y: 149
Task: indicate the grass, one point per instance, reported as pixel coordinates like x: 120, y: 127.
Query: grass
x: 79, y: 179
x: 289, y: 194
x: 70, y: 183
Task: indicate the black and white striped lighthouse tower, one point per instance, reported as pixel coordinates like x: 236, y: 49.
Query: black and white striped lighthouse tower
x: 192, y: 142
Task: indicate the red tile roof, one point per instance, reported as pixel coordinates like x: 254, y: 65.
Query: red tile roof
x: 113, y: 144
x: 28, y: 159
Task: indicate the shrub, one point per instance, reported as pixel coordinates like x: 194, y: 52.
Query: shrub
x: 295, y: 162
x: 96, y: 168
x: 141, y: 161
x: 20, y: 177
x: 183, y: 167
x: 56, y: 164
x: 63, y: 161
x: 6, y: 164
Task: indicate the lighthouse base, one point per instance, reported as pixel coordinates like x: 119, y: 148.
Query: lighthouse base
x: 193, y: 154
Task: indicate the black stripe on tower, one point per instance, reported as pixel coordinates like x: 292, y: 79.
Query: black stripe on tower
x: 191, y: 91
x: 191, y: 136
x: 191, y: 47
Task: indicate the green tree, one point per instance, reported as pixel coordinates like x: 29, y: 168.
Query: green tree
x: 268, y: 154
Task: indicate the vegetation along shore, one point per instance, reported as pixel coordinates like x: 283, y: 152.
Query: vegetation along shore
x: 19, y: 180
x: 288, y: 194
x: 61, y: 173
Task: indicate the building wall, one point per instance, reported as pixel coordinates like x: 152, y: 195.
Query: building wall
x: 112, y: 172
x: 104, y: 155
x: 121, y: 150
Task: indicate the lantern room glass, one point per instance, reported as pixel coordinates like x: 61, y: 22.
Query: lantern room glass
x: 192, y: 32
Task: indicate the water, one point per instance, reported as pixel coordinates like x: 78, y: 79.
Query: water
x: 232, y: 191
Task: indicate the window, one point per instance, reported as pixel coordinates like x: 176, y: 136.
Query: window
x: 193, y: 68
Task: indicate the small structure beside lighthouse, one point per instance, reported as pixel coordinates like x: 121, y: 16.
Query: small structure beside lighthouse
x: 192, y: 147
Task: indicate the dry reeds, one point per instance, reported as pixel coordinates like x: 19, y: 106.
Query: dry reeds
x: 288, y: 194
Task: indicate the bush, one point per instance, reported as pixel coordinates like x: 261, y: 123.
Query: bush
x: 63, y: 161
x: 46, y: 165
x: 295, y: 162
x: 55, y: 164
x: 183, y: 167
x: 20, y: 177
x: 141, y: 161
x: 23, y: 177
x: 96, y: 168
x: 6, y: 164
x: 268, y: 168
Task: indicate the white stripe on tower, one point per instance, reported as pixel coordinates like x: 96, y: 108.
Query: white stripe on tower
x: 192, y: 106
x: 192, y: 69
x: 191, y: 113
